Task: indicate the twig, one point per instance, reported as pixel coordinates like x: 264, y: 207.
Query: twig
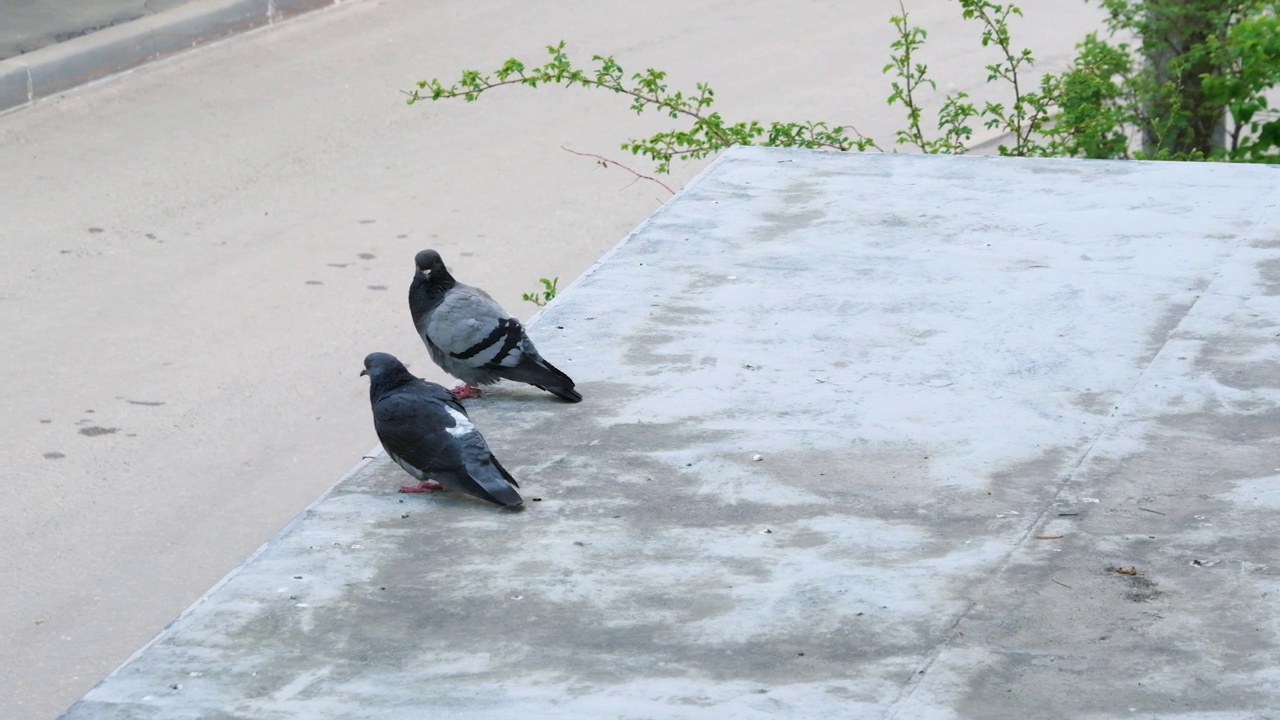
x: 1048, y: 537
x: 913, y: 111
x: 606, y: 162
x: 860, y: 137
x: 1063, y: 584
x: 1151, y: 511
x: 523, y: 79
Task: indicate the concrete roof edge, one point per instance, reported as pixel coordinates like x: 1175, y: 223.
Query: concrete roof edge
x: 359, y: 467
x: 600, y: 262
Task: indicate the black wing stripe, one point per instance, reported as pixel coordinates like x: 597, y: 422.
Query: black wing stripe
x: 513, y: 341
x: 508, y: 327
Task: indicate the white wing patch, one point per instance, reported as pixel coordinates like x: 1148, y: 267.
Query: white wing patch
x: 461, y: 425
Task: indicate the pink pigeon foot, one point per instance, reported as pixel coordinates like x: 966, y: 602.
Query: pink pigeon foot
x: 425, y: 486
x: 465, y: 392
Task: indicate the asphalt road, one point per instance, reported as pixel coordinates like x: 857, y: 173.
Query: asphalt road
x: 198, y: 254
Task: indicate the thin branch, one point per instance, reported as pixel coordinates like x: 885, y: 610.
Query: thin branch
x: 682, y: 152
x: 1002, y: 41
x: 917, y: 136
x: 522, y: 79
x: 606, y: 162
x: 860, y: 137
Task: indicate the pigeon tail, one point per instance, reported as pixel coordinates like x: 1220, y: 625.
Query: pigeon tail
x: 503, y: 470
x: 487, y: 483
x: 545, y: 376
x: 567, y: 394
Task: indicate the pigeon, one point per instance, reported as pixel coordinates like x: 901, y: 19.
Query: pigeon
x: 471, y: 337
x: 426, y: 431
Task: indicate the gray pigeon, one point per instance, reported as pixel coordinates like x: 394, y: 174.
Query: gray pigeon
x: 473, y: 338
x: 426, y: 431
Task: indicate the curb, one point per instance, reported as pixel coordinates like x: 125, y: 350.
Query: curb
x: 55, y: 68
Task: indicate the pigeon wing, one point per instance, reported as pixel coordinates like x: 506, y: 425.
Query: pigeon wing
x: 413, y: 429
x: 485, y: 470
x: 472, y: 329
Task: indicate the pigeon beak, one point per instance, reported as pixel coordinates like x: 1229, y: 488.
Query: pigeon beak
x: 364, y: 372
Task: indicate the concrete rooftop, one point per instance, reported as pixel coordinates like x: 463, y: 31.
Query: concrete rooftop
x: 865, y: 436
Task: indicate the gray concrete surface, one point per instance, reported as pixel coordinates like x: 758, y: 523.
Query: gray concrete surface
x: 227, y: 231
x: 864, y: 437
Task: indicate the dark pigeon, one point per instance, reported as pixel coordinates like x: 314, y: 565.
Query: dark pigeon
x: 473, y: 338
x: 426, y: 431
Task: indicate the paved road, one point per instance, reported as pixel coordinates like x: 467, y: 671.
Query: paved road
x: 198, y: 254
x: 32, y: 24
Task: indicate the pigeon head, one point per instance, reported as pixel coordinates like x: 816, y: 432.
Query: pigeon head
x: 377, y: 365
x: 430, y: 283
x: 430, y: 264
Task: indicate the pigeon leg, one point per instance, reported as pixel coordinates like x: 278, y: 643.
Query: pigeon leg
x: 425, y: 486
x: 465, y: 392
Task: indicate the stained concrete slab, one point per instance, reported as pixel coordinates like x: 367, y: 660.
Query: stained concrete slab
x: 864, y: 436
x: 214, y: 189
